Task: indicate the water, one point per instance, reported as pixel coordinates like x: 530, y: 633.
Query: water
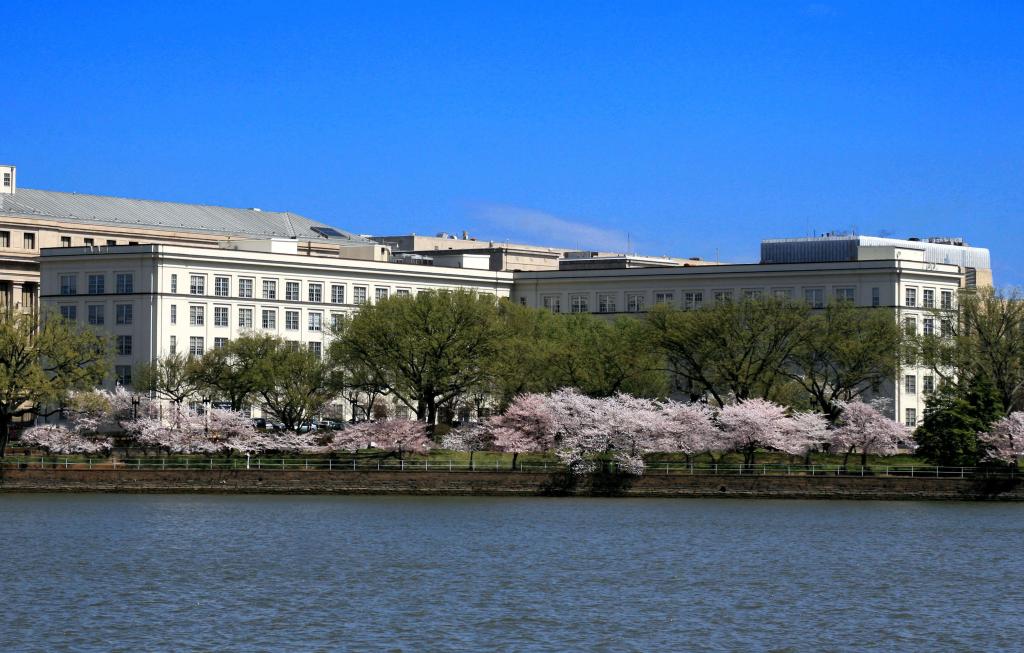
x: 283, y: 573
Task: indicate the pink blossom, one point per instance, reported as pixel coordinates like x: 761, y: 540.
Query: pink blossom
x: 687, y: 428
x: 1005, y: 439
x: 527, y: 425
x: 398, y: 435
x: 756, y: 424
x: 60, y: 439
x: 863, y: 427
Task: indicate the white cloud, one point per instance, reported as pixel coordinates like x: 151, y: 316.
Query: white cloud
x: 546, y: 229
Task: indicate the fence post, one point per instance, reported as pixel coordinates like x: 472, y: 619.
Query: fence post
x: 449, y: 464
x: 403, y: 464
x: 186, y: 463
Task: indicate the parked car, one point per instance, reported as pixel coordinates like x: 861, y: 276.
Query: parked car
x: 305, y: 427
x: 328, y: 425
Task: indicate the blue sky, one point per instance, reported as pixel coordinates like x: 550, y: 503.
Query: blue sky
x: 692, y: 129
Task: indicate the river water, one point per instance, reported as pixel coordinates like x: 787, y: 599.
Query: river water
x: 303, y: 573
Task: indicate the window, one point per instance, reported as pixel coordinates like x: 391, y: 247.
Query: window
x: 96, y: 284
x: 380, y: 293
x: 876, y: 297
x: 336, y: 319
x: 291, y: 291
x: 579, y: 304
x: 910, y: 297
x: 291, y: 320
x: 928, y: 298
x: 96, y: 314
x: 635, y: 302
x: 815, y: 297
x: 174, y: 314
x: 220, y: 343
x: 173, y: 349
x: 693, y: 299
x: 123, y: 314
x: 124, y: 345
x: 196, y: 345
x: 910, y: 325
x: 928, y: 384
x: 5, y: 239
x: 337, y: 294
x: 723, y: 296
x: 69, y: 312
x: 752, y: 293
x: 664, y: 297
x: 245, y: 318
x: 29, y: 241
x: 7, y: 180
x: 553, y: 303
x: 846, y: 294
x: 125, y: 283
x: 174, y: 284
x: 197, y: 315
x: 111, y: 243
x: 269, y: 319
x: 269, y: 289
x: 929, y: 326
x: 123, y: 374
x: 222, y: 286
x: 65, y: 241
x: 605, y: 303
x: 245, y: 287
x: 911, y: 417
x: 294, y: 345
x: 947, y: 299
x: 315, y: 291
x: 89, y: 242
x: 359, y: 295
x: 403, y: 292
x: 220, y: 316
x: 782, y: 293
x: 316, y: 321
x: 68, y: 284
x: 197, y: 285
x: 945, y: 327
x: 910, y: 384
x: 316, y: 348
x: 133, y: 242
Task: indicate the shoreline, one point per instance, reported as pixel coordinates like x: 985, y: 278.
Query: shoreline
x: 504, y: 483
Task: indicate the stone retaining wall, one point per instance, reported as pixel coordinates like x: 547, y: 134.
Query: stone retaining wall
x: 507, y: 484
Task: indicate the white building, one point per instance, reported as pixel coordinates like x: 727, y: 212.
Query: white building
x: 895, y: 274
x: 161, y: 299
x: 157, y: 300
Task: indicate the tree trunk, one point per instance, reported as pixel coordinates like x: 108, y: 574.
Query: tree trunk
x: 515, y: 456
x: 5, y: 433
x: 864, y: 458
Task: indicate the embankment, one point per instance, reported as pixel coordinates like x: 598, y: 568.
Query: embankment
x: 508, y: 484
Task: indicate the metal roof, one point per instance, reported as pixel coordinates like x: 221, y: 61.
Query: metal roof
x: 174, y: 216
x: 821, y: 249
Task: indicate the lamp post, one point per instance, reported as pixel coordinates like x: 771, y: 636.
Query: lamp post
x: 135, y: 406
x: 206, y: 415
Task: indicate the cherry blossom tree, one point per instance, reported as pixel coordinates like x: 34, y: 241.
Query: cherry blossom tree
x: 807, y: 431
x: 60, y: 439
x: 687, y: 428
x: 181, y: 430
x: 397, y: 435
x: 580, y: 432
x: 470, y: 437
x: 756, y: 424
x: 1005, y: 438
x: 864, y: 428
x: 527, y: 425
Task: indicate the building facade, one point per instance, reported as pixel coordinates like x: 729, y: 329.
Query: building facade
x: 891, y: 276
x: 156, y: 300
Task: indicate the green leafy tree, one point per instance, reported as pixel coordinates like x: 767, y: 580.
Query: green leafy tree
x: 431, y: 348
x: 736, y: 349
x: 230, y: 374
x: 601, y: 358
x: 953, y: 418
x: 844, y: 352
x: 295, y: 384
x: 41, y: 363
x: 981, y: 341
x: 175, y: 377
